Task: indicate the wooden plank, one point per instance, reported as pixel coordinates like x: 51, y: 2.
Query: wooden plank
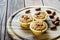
x: 53, y: 3
x: 13, y: 5
x: 2, y: 12
x: 33, y: 3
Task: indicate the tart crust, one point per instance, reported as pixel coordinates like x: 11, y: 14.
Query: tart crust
x: 38, y: 32
x: 41, y: 16
x: 24, y: 23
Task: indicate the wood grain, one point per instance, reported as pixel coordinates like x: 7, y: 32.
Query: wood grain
x: 33, y: 3
x: 2, y: 13
x: 52, y: 3
x: 13, y: 5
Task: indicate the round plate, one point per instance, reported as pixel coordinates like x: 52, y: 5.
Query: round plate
x: 15, y: 30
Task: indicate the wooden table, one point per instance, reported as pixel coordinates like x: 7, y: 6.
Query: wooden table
x: 8, y: 7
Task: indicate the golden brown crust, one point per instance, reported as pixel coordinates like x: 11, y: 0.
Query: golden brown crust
x: 25, y: 18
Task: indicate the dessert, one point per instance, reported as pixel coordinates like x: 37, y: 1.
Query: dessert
x: 25, y: 20
x: 38, y: 27
x: 40, y: 15
x: 57, y: 18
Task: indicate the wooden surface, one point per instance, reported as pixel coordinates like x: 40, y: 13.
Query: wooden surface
x: 3, y: 4
x: 53, y: 3
x: 8, y: 7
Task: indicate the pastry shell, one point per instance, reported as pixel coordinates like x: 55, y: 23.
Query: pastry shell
x: 37, y: 33
x: 25, y: 25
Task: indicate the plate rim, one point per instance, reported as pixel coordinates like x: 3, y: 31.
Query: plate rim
x: 22, y: 10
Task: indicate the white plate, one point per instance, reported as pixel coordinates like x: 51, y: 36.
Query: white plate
x: 14, y: 29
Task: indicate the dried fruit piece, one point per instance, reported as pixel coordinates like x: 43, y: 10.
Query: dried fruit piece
x: 51, y: 16
x: 48, y: 11
x: 38, y: 9
x: 28, y: 11
x: 54, y: 13
x: 53, y: 27
x: 55, y: 19
x: 56, y: 23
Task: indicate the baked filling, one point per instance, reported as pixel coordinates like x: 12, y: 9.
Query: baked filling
x: 26, y: 18
x: 39, y: 25
x: 40, y: 15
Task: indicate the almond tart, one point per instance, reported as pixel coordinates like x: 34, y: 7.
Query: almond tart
x: 25, y: 20
x: 38, y: 27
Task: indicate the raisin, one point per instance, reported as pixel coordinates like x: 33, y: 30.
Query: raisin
x: 28, y: 11
x: 38, y: 9
x: 48, y: 11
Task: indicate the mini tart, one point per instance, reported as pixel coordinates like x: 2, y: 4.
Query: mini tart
x: 25, y: 20
x: 40, y: 15
x: 38, y: 27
